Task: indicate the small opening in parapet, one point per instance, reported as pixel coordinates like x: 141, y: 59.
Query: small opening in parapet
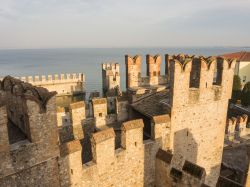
x: 218, y: 72
x: 100, y: 114
x: 15, y: 134
x: 195, y: 74
x: 135, y: 144
x: 71, y: 171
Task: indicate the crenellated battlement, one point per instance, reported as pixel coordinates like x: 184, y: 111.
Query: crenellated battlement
x: 111, y: 66
x: 242, y: 119
x: 136, y: 60
x: 200, y: 79
x: 63, y: 84
x: 30, y: 112
x: 153, y: 59
x: 111, y: 79
x: 153, y: 68
x: 171, y: 148
x: 236, y: 127
x: 56, y: 78
x: 129, y: 125
x: 103, y: 135
x: 200, y: 88
x: 133, y: 71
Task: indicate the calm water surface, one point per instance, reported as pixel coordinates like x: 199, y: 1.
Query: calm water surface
x: 24, y: 62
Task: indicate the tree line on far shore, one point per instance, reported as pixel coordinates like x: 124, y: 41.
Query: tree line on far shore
x: 240, y: 94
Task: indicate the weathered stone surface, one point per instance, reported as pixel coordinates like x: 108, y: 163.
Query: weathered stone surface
x: 111, y: 79
x: 178, y: 127
x: 198, y: 124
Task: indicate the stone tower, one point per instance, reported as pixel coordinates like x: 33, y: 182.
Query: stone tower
x: 199, y: 110
x: 111, y: 79
x: 133, y: 71
x: 32, y: 147
x: 153, y: 68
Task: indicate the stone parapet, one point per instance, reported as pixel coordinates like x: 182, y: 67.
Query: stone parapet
x: 56, y: 78
x: 70, y: 147
x: 103, y: 135
x: 236, y: 127
x: 65, y: 84
x: 190, y: 72
x: 134, y: 124
x: 134, y: 78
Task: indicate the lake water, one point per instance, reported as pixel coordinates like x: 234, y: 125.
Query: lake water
x: 25, y: 62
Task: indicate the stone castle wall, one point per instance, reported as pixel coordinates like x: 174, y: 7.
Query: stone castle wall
x: 23, y: 161
x: 70, y: 123
x: 236, y: 127
x: 111, y: 79
x: 190, y: 174
x: 179, y: 150
x: 65, y: 84
x: 198, y: 114
x: 133, y: 163
x: 133, y: 71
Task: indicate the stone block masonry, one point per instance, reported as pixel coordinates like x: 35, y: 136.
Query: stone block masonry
x: 180, y: 146
x: 111, y: 79
x: 236, y: 127
x: 32, y: 110
x: 65, y: 84
x: 198, y: 111
x: 134, y: 77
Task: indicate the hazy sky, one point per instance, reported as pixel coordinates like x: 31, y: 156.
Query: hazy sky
x: 123, y: 23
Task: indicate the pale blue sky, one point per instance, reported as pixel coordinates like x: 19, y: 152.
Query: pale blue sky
x: 123, y: 23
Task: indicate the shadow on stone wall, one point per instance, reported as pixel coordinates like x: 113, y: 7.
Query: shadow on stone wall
x: 146, y: 121
x: 70, y: 164
x: 88, y: 129
x: 185, y: 147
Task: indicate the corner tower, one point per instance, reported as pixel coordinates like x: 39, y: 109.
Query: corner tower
x: 199, y: 110
x: 111, y: 79
x: 133, y: 71
x: 153, y: 68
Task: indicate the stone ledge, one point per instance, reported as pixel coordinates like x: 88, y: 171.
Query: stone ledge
x: 103, y: 135
x: 161, y: 118
x: 99, y: 101
x: 70, y: 147
x: 76, y: 105
x: 134, y: 124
